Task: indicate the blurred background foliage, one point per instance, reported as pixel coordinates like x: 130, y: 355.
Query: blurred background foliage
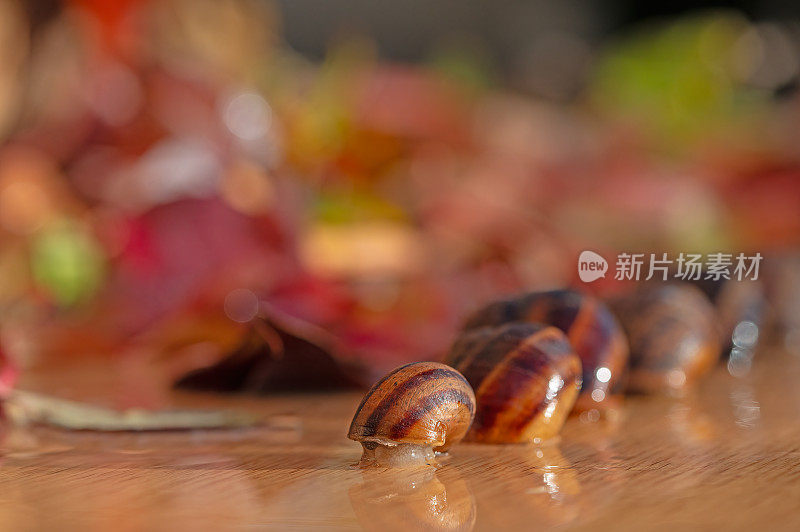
x: 372, y: 168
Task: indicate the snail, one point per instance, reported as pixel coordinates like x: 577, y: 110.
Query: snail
x: 412, y: 412
x: 592, y: 330
x: 673, y: 336
x: 526, y: 378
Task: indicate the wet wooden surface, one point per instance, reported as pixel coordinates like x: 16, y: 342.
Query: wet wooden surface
x: 725, y: 456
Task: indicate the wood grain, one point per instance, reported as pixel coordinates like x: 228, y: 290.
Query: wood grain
x: 725, y: 456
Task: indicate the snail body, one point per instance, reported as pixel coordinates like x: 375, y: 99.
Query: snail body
x: 591, y: 328
x: 412, y: 412
x: 673, y: 336
x: 526, y: 379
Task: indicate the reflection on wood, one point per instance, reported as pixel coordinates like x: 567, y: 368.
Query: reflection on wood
x: 727, y: 455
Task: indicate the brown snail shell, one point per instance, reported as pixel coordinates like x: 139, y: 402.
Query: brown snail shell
x: 526, y: 378
x: 590, y: 326
x: 414, y: 410
x: 673, y: 336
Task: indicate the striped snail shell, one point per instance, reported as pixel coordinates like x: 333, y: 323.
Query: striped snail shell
x: 591, y: 328
x: 526, y: 378
x: 673, y: 336
x: 413, y: 411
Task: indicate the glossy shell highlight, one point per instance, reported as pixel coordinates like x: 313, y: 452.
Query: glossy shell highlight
x: 526, y: 379
x: 592, y: 329
x: 424, y: 403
